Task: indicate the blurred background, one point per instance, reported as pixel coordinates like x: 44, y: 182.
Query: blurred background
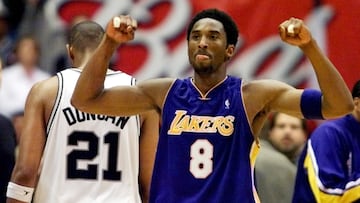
x: 159, y: 48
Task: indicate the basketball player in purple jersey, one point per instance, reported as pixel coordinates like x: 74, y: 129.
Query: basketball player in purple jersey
x: 210, y: 121
x: 331, y: 172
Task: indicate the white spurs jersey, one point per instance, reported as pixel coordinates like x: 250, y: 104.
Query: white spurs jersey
x: 89, y: 158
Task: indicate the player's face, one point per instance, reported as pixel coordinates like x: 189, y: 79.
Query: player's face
x: 28, y: 53
x: 287, y: 135
x: 207, y: 49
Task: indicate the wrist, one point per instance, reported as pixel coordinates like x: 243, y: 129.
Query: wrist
x: 19, y: 192
x: 308, y: 45
x: 110, y: 43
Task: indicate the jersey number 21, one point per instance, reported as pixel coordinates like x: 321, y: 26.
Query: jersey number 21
x: 91, y: 172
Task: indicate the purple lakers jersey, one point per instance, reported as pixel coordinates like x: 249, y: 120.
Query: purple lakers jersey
x: 205, y: 146
x: 329, y: 167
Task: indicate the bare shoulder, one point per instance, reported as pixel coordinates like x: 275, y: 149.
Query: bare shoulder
x: 264, y: 96
x: 162, y: 83
x: 265, y: 88
x: 259, y: 94
x: 42, y: 95
x: 44, y: 90
x: 156, y: 89
x: 266, y: 85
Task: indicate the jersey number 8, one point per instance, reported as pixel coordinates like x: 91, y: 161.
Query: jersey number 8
x: 201, y: 163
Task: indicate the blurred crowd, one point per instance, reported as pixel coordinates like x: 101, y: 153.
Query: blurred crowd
x: 25, y: 58
x: 31, y: 50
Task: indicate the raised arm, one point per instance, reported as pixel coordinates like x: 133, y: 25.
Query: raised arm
x: 336, y: 98
x: 89, y: 94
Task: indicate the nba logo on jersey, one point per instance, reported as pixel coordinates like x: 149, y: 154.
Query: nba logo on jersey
x: 227, y: 104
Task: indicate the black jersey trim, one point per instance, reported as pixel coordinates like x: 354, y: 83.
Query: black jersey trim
x: 57, y: 101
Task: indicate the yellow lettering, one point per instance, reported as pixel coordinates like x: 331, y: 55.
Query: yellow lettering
x: 194, y: 124
x: 201, y: 124
x: 218, y: 122
x: 227, y: 127
x: 175, y: 127
x: 206, y: 124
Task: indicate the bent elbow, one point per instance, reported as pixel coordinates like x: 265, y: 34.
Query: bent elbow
x: 349, y: 107
x: 344, y: 109
x: 78, y: 104
x: 74, y: 102
x: 84, y: 105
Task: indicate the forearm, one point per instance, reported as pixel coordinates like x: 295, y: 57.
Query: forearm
x: 21, y: 186
x: 337, y: 99
x: 91, y: 81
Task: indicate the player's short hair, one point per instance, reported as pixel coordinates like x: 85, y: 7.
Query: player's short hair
x: 85, y: 35
x: 230, y: 26
x: 356, y: 89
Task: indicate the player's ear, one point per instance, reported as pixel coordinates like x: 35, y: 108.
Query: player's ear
x: 230, y: 50
x: 357, y: 102
x: 70, y: 51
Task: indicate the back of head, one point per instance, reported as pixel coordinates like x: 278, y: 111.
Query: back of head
x: 85, y: 36
x: 356, y: 97
x: 230, y: 26
x: 356, y: 90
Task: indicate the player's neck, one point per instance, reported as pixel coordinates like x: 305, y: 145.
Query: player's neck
x: 205, y: 84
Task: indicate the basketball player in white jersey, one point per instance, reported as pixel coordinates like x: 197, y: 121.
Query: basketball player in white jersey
x: 70, y: 156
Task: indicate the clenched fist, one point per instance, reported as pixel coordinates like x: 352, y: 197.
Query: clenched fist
x: 295, y: 32
x: 121, y: 29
